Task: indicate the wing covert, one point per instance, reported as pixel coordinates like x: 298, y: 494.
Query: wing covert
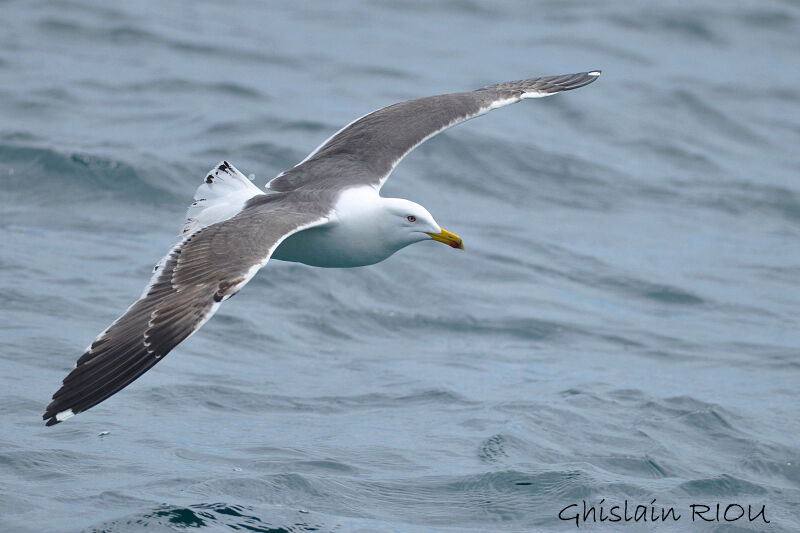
x: 187, y: 288
x: 366, y: 151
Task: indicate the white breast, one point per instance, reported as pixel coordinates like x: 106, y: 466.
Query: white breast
x: 356, y: 236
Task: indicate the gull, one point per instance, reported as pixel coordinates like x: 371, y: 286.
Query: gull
x: 326, y: 211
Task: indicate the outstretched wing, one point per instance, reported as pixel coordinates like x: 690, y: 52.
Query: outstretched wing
x: 206, y: 268
x: 366, y: 151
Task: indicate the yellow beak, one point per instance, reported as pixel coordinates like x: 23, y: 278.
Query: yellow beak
x: 450, y: 239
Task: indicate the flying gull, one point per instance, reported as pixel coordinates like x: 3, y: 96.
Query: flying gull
x: 326, y: 211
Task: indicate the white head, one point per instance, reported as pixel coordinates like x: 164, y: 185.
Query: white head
x: 409, y: 223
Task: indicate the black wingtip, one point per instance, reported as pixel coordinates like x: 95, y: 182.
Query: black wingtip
x: 50, y: 416
x: 567, y: 82
x: 588, y: 77
x: 55, y: 413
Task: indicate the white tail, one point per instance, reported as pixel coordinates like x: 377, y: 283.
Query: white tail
x: 223, y: 194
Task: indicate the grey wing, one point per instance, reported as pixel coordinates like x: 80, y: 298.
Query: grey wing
x: 195, y: 277
x: 367, y: 150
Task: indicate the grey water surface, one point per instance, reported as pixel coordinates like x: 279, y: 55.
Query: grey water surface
x: 623, y: 325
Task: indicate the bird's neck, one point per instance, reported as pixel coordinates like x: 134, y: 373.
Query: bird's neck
x: 370, y: 217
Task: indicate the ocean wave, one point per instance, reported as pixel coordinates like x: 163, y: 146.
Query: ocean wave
x: 43, y: 176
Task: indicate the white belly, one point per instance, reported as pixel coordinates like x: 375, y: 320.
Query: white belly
x: 334, y: 246
x: 362, y: 231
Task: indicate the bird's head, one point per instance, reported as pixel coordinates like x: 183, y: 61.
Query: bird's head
x: 413, y: 223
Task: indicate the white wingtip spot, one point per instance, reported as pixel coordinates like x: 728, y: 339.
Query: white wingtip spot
x: 64, y: 415
x: 594, y: 73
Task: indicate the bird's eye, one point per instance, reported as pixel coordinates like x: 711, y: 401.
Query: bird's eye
x: 411, y: 218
